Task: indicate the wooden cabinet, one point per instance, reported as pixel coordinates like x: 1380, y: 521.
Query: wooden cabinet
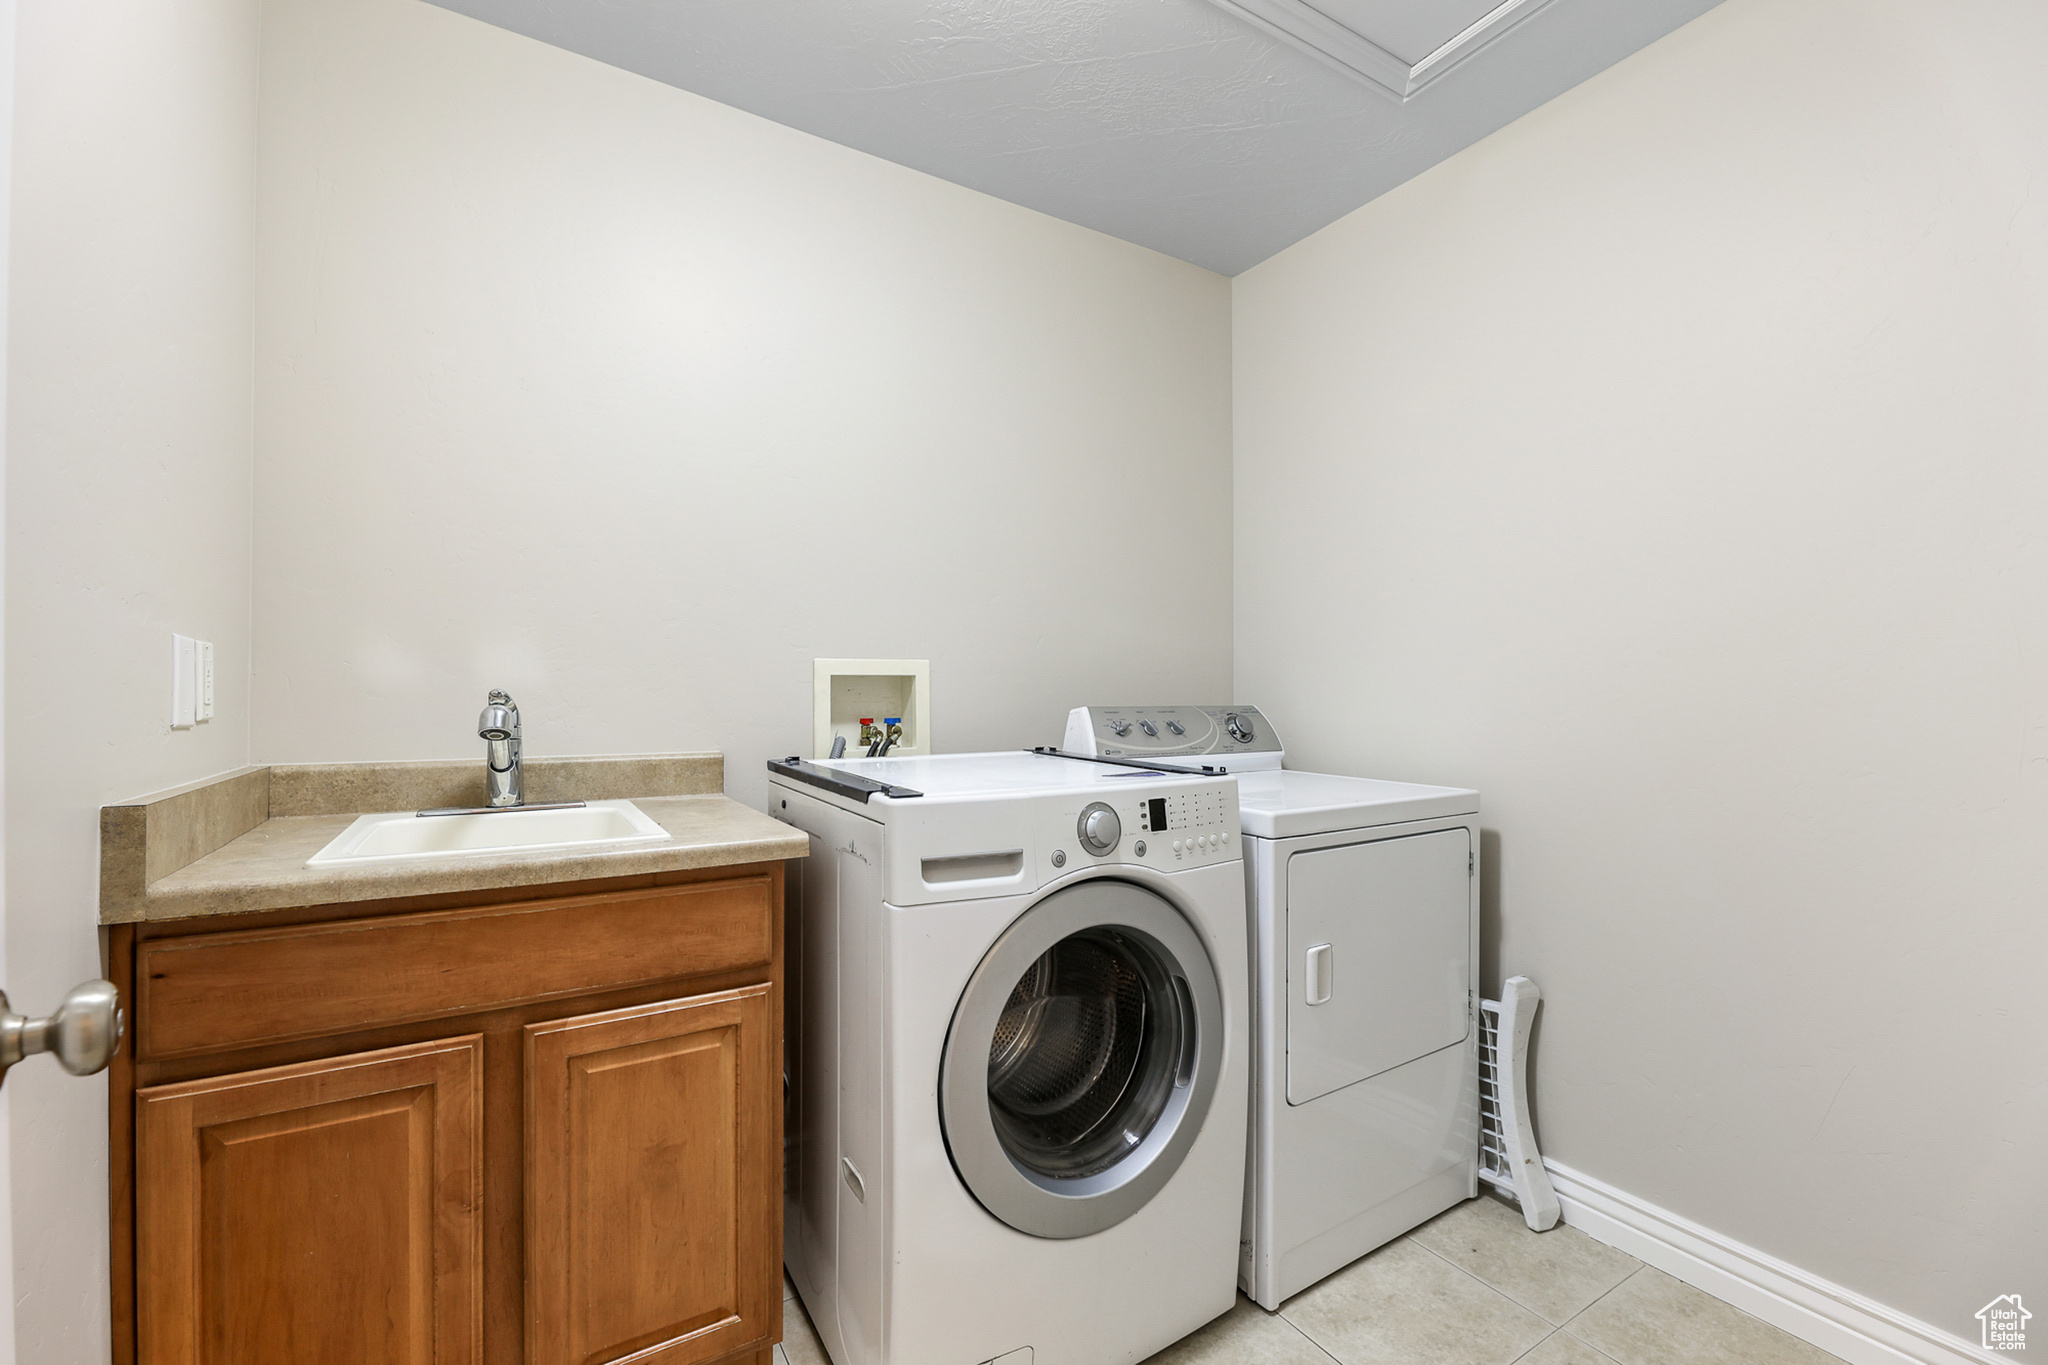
x: 535, y: 1131
x: 640, y: 1124
x: 327, y: 1211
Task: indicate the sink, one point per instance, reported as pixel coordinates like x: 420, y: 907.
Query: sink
x: 404, y: 835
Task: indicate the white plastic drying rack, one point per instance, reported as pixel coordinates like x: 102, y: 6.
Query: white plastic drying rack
x: 1508, y: 1159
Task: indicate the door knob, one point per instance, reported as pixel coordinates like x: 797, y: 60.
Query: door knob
x: 83, y: 1033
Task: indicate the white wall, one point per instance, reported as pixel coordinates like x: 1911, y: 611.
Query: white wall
x: 127, y: 505
x: 1671, y: 467
x: 633, y: 404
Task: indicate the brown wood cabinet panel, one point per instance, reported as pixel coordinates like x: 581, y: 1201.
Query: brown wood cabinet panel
x: 325, y: 1212
x: 652, y: 1209
x: 208, y: 992
x: 230, y: 1114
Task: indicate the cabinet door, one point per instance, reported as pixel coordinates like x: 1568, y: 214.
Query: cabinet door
x: 652, y: 1181
x: 326, y: 1212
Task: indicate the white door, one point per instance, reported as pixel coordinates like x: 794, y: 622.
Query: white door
x: 1379, y: 957
x: 84, y: 1037
x: 6, y: 1126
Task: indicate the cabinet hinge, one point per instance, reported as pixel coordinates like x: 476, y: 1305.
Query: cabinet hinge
x: 1471, y: 864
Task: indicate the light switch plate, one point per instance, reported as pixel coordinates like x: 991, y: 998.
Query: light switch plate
x: 205, y: 680
x: 184, y: 681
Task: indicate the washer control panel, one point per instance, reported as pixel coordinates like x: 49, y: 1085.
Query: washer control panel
x: 1135, y: 820
x: 1213, y: 733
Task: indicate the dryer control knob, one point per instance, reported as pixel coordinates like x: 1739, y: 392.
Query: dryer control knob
x: 1240, y: 727
x: 1099, y: 829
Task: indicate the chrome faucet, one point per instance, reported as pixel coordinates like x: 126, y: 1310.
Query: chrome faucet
x: 499, y: 725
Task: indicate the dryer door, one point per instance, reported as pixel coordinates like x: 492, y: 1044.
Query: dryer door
x: 1379, y: 957
x: 1081, y: 1060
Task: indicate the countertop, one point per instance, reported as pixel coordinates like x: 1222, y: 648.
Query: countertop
x: 263, y: 867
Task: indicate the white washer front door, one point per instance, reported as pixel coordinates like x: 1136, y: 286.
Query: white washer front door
x: 1081, y: 1059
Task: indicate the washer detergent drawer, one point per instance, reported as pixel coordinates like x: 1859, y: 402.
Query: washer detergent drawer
x: 1379, y: 957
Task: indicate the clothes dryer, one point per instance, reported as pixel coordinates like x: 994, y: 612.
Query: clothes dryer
x: 1364, y: 948
x: 1017, y: 1057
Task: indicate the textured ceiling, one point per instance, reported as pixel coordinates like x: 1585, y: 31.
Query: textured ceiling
x: 1171, y: 123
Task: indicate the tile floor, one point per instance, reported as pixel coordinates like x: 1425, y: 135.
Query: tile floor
x: 1473, y: 1287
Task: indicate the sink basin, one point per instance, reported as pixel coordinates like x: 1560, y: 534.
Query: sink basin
x: 404, y: 835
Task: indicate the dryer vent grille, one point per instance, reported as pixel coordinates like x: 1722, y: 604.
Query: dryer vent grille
x: 1508, y: 1159
x: 1493, y: 1137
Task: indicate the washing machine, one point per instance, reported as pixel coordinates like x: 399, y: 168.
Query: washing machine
x: 1364, y: 953
x: 1017, y: 1056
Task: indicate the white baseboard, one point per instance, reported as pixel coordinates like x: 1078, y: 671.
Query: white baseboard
x: 1859, y: 1330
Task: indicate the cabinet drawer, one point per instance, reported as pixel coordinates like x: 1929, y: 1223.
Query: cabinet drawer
x: 210, y: 992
